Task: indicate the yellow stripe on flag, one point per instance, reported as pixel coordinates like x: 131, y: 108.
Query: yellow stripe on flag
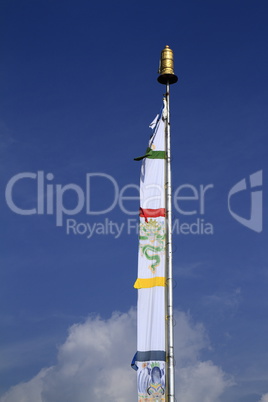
x: 150, y: 282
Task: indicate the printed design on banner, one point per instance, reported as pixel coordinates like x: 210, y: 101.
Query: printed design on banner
x: 151, y: 382
x: 154, y: 233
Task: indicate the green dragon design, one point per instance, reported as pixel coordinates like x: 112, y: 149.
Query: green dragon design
x: 154, y: 232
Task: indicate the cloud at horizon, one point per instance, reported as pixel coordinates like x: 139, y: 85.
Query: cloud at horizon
x: 94, y: 364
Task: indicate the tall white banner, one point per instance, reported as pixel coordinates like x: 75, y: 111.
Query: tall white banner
x: 151, y: 354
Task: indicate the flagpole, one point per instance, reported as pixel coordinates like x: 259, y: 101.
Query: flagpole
x: 169, y: 297
x: 167, y: 77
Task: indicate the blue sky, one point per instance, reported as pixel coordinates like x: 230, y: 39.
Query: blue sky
x: 78, y: 91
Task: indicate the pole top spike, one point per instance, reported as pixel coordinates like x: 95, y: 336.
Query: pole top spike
x: 166, y: 67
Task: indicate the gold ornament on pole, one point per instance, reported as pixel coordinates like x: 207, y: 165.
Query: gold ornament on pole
x: 166, y: 67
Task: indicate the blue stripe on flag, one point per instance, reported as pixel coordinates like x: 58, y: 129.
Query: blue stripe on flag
x: 158, y: 355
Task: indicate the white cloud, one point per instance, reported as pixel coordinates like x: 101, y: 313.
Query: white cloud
x: 202, y: 381
x: 225, y: 302
x: 190, y: 339
x: 28, y: 391
x: 264, y: 398
x: 197, y: 380
x: 94, y: 364
x: 190, y: 270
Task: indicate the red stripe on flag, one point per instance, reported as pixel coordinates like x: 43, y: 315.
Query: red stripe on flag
x: 152, y: 213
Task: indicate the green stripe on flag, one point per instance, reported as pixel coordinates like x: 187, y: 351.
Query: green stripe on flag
x: 152, y: 155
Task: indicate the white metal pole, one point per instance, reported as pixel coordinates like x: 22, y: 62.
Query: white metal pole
x: 170, y: 375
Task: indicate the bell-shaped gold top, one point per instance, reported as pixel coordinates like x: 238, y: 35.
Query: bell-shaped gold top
x: 166, y: 67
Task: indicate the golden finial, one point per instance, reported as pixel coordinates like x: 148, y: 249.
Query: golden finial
x: 166, y: 67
